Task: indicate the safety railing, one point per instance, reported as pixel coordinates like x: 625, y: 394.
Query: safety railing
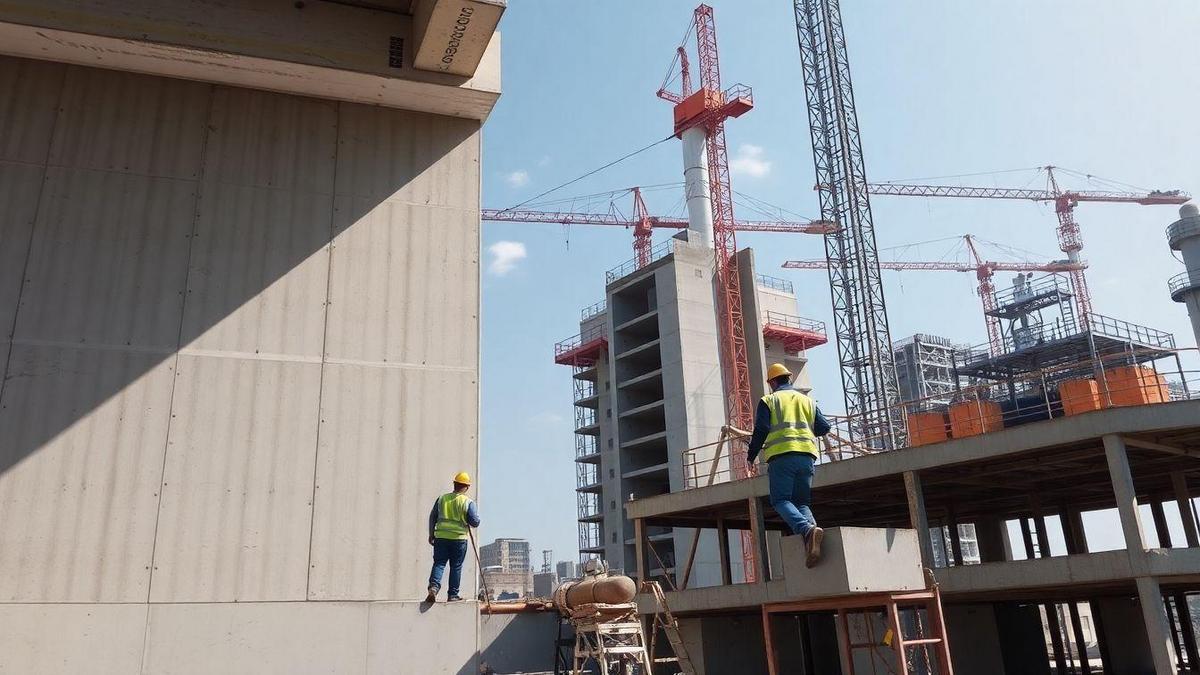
x: 1114, y: 381
x: 584, y: 418
x: 1182, y: 229
x: 1183, y: 281
x: 586, y: 475
x: 589, y: 536
x: 1036, y: 336
x: 593, y: 333
x: 586, y: 445
x: 588, y: 505
x: 774, y: 283
x: 626, y: 268
x: 795, y: 322
x: 584, y: 389
x: 593, y: 310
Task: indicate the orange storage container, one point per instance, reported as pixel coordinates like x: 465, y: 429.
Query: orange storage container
x: 1136, y: 385
x: 1079, y: 396
x: 927, y: 427
x: 971, y: 418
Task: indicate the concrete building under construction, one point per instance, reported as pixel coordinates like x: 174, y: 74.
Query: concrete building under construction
x: 220, y: 378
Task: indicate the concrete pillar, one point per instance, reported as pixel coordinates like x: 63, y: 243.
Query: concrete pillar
x: 723, y: 551
x: 1186, y: 514
x: 1154, y: 614
x: 992, y: 536
x: 695, y: 181
x: 1073, y: 531
x: 758, y: 532
x: 1160, y: 524
x: 918, y: 517
x: 1122, y: 482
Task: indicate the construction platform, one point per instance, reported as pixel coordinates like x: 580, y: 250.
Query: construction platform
x: 1056, y: 470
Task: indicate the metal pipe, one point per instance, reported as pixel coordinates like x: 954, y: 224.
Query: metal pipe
x: 695, y: 179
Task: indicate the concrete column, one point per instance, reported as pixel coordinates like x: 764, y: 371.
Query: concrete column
x: 1154, y: 614
x: 955, y: 538
x: 1122, y: 482
x: 695, y: 179
x: 917, y: 516
x: 1184, y: 503
x: 1160, y: 524
x: 1080, y: 642
x: 723, y: 551
x: 992, y: 536
x: 758, y: 531
x: 639, y: 547
x: 1073, y: 530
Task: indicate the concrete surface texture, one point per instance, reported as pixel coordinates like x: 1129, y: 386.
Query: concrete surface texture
x: 854, y: 560
x: 233, y: 323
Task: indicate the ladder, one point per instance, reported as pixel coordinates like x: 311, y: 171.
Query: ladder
x: 617, y: 647
x: 665, y: 621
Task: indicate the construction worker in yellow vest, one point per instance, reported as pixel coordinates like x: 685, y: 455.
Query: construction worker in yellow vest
x: 786, y: 426
x: 450, y: 523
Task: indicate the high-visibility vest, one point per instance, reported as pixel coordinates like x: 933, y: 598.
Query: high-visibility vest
x: 792, y: 415
x: 452, y: 516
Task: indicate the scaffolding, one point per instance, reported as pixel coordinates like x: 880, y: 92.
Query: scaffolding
x: 925, y: 371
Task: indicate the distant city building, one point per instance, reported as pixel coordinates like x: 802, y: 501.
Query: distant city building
x: 503, y: 585
x: 544, y: 583
x: 567, y: 569
x: 508, y: 555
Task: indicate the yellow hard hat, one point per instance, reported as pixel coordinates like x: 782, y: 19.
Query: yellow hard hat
x: 777, y: 370
x: 462, y: 478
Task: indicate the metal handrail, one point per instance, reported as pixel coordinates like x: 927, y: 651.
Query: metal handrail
x: 595, y: 309
x: 576, y: 341
x: 796, y: 322
x: 660, y: 251
x: 1184, y: 281
x: 774, y: 283
x: 1182, y: 229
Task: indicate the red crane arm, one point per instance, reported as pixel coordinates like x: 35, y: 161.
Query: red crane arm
x: 612, y: 219
x: 986, y: 267
x: 1146, y: 199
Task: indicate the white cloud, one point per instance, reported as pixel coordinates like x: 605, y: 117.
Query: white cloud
x: 518, y: 178
x: 505, y: 256
x: 750, y: 162
x: 544, y: 161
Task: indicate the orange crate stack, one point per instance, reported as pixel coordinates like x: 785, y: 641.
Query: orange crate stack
x: 971, y: 418
x: 1079, y: 396
x: 1136, y: 385
x: 927, y: 427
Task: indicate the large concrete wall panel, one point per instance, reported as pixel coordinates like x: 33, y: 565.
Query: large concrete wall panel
x: 237, y: 488
x: 257, y: 639
x: 150, y: 126
x: 30, y: 91
x: 61, y: 639
x: 108, y: 260
x: 259, y: 272
x: 403, y: 281
x: 20, y: 187
x: 410, y: 637
x: 385, y: 456
x: 77, y: 514
x: 393, y: 155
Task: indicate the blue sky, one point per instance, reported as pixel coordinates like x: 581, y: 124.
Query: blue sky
x: 943, y: 88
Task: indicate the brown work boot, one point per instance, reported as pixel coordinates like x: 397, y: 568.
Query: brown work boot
x: 814, y: 547
x: 432, y: 597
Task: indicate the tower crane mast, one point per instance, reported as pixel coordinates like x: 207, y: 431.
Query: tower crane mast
x: 860, y: 313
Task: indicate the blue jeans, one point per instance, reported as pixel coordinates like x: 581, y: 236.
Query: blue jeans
x: 453, y: 551
x: 791, y: 477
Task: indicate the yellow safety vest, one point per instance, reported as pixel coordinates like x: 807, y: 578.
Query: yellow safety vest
x: 792, y: 415
x: 452, y: 516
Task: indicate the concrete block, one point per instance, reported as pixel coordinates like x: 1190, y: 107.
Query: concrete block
x: 411, y: 637
x: 519, y: 643
x: 70, y: 639
x: 854, y: 560
x: 452, y: 36
x: 257, y: 638
x: 236, y: 510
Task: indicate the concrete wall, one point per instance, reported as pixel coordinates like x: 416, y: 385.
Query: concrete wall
x: 520, y: 643
x: 974, y: 642
x: 234, y: 323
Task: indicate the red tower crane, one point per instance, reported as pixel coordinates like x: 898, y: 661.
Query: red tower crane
x: 983, y: 269
x: 642, y: 222
x: 1070, y: 241
x: 707, y: 109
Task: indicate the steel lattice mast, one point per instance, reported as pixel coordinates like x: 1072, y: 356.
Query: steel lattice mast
x: 860, y: 313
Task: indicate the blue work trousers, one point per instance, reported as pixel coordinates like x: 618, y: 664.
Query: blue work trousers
x: 453, y: 551
x: 791, y: 477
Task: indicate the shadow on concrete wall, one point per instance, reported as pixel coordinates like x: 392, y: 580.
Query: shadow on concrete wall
x: 519, y: 643
x: 140, y: 235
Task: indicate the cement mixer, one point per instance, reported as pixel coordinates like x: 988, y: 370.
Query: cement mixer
x: 597, y: 592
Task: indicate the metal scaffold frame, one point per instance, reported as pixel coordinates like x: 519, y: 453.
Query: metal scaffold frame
x: 860, y: 313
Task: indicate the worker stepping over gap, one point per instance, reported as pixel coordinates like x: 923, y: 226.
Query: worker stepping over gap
x: 786, y: 426
x: 450, y: 523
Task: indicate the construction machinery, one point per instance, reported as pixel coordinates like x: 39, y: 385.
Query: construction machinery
x: 984, y: 271
x: 1070, y: 240
x: 640, y: 220
x: 859, y: 310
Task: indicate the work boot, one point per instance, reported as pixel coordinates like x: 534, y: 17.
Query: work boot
x: 814, y: 547
x: 454, y: 598
x: 432, y: 597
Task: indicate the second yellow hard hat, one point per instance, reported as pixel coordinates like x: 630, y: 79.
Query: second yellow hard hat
x: 777, y: 370
x: 462, y: 478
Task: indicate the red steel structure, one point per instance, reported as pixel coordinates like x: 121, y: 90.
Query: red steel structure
x: 642, y: 222
x: 707, y: 109
x: 1070, y: 240
x: 983, y: 269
